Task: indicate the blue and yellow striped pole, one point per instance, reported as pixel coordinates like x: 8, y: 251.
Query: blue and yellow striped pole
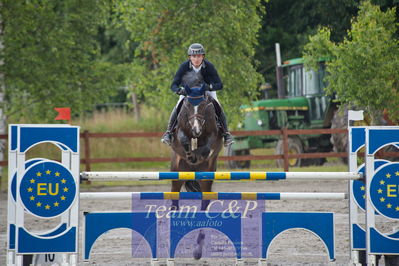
x: 115, y: 176
x: 213, y: 195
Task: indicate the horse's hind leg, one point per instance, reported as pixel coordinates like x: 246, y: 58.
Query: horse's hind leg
x: 206, y: 186
x: 176, y: 187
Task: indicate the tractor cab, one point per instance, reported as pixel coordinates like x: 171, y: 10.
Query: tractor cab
x: 297, y: 81
x: 301, y: 104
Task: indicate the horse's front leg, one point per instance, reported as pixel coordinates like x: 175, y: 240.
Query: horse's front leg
x: 186, y: 143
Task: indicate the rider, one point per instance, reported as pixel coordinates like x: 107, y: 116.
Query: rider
x: 197, y: 62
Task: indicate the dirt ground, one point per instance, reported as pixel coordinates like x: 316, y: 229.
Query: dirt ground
x: 296, y: 247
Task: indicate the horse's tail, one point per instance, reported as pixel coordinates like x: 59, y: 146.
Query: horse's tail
x: 192, y: 186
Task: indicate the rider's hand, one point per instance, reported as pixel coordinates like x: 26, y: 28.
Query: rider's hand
x: 181, y: 91
x: 206, y: 87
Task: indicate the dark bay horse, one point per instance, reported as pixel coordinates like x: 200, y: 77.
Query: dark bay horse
x: 197, y: 139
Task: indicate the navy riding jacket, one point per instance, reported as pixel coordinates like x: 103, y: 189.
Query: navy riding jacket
x: 208, y: 72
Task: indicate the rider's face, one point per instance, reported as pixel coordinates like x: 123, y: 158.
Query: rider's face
x: 196, y: 59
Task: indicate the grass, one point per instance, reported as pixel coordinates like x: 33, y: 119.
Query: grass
x: 119, y: 120
x: 151, y: 120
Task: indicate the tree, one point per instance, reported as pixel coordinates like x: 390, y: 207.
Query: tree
x: 2, y: 116
x: 51, y: 57
x: 163, y: 31
x: 364, y: 67
x: 291, y: 22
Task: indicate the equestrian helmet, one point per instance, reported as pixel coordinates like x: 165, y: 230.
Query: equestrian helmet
x: 196, y: 48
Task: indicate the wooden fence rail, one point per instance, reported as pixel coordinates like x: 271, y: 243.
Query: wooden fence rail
x: 284, y: 133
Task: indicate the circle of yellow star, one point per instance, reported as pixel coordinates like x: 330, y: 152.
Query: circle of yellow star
x: 57, y: 174
x: 38, y: 174
x: 30, y: 189
x: 382, y: 182
x: 63, y: 181
x: 32, y: 181
x: 47, y: 207
x: 388, y: 175
x: 397, y: 208
x: 379, y: 191
x: 32, y: 198
x: 362, y: 188
x: 56, y: 204
x: 382, y: 199
x: 397, y: 173
x: 63, y: 197
x: 65, y: 189
x: 39, y: 204
x: 389, y: 205
x: 48, y: 172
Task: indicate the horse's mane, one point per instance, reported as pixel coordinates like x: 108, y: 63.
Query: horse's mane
x: 192, y: 79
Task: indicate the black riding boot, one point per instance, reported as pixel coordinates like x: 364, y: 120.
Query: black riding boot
x: 228, y: 138
x: 167, y: 136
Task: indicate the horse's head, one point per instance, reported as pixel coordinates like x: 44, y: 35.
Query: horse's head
x: 196, y: 104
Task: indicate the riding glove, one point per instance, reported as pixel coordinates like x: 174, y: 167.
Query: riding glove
x: 181, y: 91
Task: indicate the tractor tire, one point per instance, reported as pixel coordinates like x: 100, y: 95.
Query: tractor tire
x: 228, y: 151
x: 295, y: 146
x: 340, y: 141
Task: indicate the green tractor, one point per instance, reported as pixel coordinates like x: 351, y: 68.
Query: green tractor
x: 301, y: 104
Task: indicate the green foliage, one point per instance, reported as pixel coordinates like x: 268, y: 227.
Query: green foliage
x: 364, y: 66
x: 163, y: 30
x: 290, y: 22
x: 51, y: 57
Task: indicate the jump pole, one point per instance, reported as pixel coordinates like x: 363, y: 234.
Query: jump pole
x: 213, y: 195
x: 123, y: 176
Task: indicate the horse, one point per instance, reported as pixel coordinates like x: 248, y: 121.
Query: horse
x: 197, y: 138
x: 196, y: 143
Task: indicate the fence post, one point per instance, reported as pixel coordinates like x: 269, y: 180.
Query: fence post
x: 87, y: 150
x: 285, y: 149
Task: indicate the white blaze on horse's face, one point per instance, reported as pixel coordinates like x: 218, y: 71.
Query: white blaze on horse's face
x: 196, y: 127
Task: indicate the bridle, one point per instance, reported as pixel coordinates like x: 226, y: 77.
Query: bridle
x: 201, y: 117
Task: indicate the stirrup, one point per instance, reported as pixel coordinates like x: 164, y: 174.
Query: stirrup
x: 167, y: 138
x: 228, y: 139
